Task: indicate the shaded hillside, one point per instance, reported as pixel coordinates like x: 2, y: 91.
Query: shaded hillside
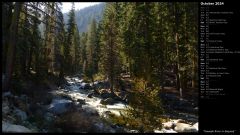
x: 85, y: 15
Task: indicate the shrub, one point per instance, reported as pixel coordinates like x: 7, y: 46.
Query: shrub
x: 145, y: 113
x: 99, y: 76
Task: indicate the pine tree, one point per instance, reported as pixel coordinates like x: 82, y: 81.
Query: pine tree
x: 77, y: 46
x: 7, y: 8
x: 37, y: 43
x: 83, y: 52
x: 12, y: 45
x: 91, y: 48
x: 110, y: 45
x: 70, y: 54
x: 60, y: 42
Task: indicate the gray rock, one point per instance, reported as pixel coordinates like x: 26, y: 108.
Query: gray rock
x: 106, y: 113
x: 20, y: 114
x: 49, y: 117
x: 81, y: 101
x: 108, y: 101
x: 3, y: 78
x: 7, y: 127
x: 23, y: 97
x: 195, y: 126
x: 85, y: 86
x: 60, y: 106
x: 106, y: 95
x: 118, y: 128
x: 5, y: 107
x: 90, y: 95
x: 168, y: 125
x: 64, y: 90
x: 90, y: 111
x: 7, y: 94
x: 67, y: 97
x: 183, y: 127
x: 98, y: 127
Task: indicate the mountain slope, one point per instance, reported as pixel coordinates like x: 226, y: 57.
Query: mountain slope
x: 85, y: 15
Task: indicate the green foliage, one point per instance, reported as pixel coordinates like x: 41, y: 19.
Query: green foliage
x: 99, y: 76
x: 145, y: 112
x: 92, y: 51
x: 127, y: 121
x: 110, y: 45
x: 146, y: 104
x: 72, y: 48
x: 148, y: 33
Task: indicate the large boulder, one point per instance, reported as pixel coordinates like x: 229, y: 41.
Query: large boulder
x: 106, y: 114
x: 12, y: 128
x: 106, y: 95
x: 7, y: 94
x: 90, y: 95
x: 101, y: 84
x: 49, y: 117
x: 195, y: 126
x: 59, y: 106
x: 183, y: 127
x: 20, y: 114
x: 20, y: 103
x: 85, y: 86
x: 108, y: 101
x: 90, y: 111
x: 81, y: 101
x: 5, y: 107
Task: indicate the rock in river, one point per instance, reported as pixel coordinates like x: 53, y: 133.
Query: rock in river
x: 85, y: 86
x: 7, y: 127
x: 90, y: 95
x: 81, y: 101
x: 59, y: 106
x: 108, y: 101
x: 183, y: 127
x: 20, y: 114
x: 195, y: 126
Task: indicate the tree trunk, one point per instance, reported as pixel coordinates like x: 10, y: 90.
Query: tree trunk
x: 176, y: 16
x: 29, y: 60
x: 179, y: 82
x: 194, y: 73
x: 6, y: 23
x: 12, y: 45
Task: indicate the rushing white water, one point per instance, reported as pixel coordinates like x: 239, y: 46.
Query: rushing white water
x: 91, y: 103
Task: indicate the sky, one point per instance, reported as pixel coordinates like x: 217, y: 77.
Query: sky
x: 66, y: 6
